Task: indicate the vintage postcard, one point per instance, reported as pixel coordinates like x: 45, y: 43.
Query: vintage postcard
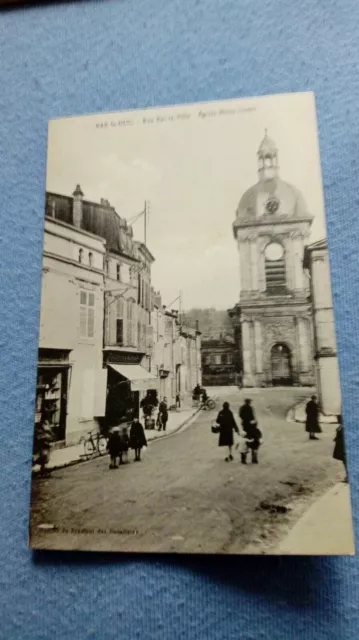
x: 188, y: 395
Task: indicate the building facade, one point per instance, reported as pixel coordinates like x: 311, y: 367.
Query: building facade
x: 125, y: 330
x: 176, y: 354
x: 273, y: 317
x: 316, y: 262
x: 71, y: 383
x: 219, y: 361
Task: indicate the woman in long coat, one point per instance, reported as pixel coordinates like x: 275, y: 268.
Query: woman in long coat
x: 339, y: 447
x: 227, y: 425
x: 137, y: 438
x: 312, y: 425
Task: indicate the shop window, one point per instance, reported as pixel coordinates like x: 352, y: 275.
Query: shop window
x: 51, y: 399
x: 87, y: 314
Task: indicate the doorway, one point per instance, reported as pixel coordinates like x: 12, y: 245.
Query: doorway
x: 281, y: 361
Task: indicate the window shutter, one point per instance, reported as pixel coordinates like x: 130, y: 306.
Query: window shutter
x: 119, y: 331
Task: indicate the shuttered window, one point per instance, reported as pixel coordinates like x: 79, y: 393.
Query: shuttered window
x: 87, y: 314
x: 275, y: 269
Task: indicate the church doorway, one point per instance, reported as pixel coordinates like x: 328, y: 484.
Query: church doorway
x: 281, y: 360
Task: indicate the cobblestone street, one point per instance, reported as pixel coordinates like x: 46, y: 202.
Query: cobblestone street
x: 183, y: 497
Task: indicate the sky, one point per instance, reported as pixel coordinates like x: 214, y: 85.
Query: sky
x: 192, y: 163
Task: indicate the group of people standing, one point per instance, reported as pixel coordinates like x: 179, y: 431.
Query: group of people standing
x: 149, y: 404
x: 120, y: 441
x: 251, y: 434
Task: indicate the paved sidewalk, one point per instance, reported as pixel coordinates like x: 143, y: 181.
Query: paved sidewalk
x: 73, y: 455
x: 297, y: 414
x: 325, y: 529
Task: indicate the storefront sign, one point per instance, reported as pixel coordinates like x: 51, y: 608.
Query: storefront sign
x: 49, y: 357
x: 124, y: 358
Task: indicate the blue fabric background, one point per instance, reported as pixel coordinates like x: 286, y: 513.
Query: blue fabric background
x: 81, y: 57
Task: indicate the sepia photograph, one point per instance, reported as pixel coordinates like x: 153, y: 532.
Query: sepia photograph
x: 188, y: 392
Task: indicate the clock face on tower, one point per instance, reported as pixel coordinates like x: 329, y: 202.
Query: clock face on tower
x: 272, y: 205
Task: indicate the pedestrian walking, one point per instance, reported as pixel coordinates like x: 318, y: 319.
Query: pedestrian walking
x: 339, y: 447
x: 178, y: 401
x: 253, y: 439
x: 137, y: 438
x: 124, y: 444
x: 114, y: 447
x: 246, y: 414
x: 162, y: 415
x: 227, y: 425
x: 312, y: 425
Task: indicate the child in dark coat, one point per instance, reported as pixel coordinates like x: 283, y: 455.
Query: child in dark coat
x: 253, y: 437
x: 124, y: 444
x: 114, y: 446
x: 137, y: 438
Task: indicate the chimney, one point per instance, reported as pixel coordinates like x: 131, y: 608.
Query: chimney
x: 77, y: 206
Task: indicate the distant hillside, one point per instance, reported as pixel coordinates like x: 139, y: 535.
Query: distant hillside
x: 212, y: 322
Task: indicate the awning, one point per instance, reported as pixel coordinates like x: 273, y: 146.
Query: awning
x: 141, y: 380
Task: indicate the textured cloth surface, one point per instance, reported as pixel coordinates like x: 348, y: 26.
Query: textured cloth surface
x: 81, y: 57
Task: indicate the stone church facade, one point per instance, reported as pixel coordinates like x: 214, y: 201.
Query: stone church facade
x: 273, y: 318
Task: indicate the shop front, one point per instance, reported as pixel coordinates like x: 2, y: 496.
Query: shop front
x: 52, y: 390
x: 127, y: 384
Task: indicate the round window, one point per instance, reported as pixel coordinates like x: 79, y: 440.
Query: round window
x: 274, y: 251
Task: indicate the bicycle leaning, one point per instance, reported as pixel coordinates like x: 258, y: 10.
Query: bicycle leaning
x: 95, y: 444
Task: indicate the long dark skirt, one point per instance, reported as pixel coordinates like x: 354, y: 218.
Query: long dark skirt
x: 226, y: 436
x: 313, y: 426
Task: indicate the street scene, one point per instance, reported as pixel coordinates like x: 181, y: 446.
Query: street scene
x: 203, y: 505
x: 188, y: 396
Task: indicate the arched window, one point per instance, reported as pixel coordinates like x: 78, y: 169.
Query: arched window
x: 274, y: 260
x: 90, y: 259
x: 81, y: 256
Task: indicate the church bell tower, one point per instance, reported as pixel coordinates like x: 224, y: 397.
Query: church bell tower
x: 273, y: 316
